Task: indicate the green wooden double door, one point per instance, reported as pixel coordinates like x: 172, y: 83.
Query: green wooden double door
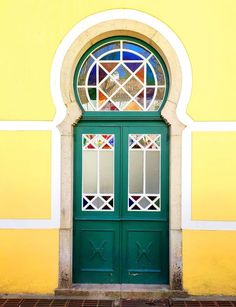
x: 120, y: 232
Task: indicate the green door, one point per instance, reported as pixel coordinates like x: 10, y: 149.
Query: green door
x: 121, y: 202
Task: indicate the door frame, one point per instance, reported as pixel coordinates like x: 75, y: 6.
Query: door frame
x: 78, y: 40
x: 120, y: 216
x: 67, y: 173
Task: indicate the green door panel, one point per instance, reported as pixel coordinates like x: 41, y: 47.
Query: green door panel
x: 121, y: 245
x: 146, y: 258
x: 96, y: 252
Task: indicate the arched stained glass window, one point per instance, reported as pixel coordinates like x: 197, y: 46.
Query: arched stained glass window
x: 122, y: 74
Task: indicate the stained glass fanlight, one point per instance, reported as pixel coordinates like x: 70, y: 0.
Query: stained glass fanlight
x: 121, y: 75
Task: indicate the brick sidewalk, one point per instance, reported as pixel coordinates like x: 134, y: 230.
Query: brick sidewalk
x: 26, y: 302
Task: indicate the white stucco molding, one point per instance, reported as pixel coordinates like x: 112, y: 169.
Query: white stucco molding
x: 187, y: 221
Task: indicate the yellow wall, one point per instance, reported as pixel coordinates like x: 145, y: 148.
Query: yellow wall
x: 25, y: 175
x: 213, y: 176
x: 32, y: 30
x: 28, y: 261
x: 209, y: 262
x: 30, y: 33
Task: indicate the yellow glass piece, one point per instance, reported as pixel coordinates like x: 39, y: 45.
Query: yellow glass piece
x: 133, y: 106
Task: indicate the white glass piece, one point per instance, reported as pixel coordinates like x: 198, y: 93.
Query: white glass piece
x: 136, y: 172
x: 89, y: 171
x: 144, y: 202
x: 98, y: 202
x: 152, y: 172
x: 106, y: 171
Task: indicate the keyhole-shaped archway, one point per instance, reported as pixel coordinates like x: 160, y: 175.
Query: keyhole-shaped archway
x: 162, y: 39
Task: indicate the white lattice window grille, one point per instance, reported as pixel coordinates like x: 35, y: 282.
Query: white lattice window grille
x: 121, y: 75
x: 98, y: 172
x: 144, y: 172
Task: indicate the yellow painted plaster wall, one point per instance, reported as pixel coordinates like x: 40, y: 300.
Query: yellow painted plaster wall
x: 28, y: 261
x: 25, y: 176
x: 30, y: 33
x: 32, y: 30
x: 213, y: 176
x: 209, y: 262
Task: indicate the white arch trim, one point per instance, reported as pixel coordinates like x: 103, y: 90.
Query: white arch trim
x: 82, y: 26
x: 134, y: 15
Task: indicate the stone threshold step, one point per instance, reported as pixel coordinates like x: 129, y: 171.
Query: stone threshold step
x: 118, y: 291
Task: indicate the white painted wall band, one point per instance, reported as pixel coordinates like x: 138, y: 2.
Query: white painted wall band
x: 187, y: 222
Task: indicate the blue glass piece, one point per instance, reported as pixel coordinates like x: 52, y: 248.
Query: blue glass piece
x: 108, y: 47
x: 158, y: 70
x: 131, y: 141
x: 149, y: 76
x: 153, y: 61
x: 111, y: 141
x: 84, y: 70
x: 122, y: 73
x: 114, y: 56
x: 130, y: 56
x: 93, y: 76
x: 130, y: 202
x: 136, y: 48
x: 85, y: 202
x: 133, y: 66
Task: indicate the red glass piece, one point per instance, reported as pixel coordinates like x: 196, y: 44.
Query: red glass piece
x: 90, y: 146
x: 109, y: 66
x: 136, y: 197
x: 140, y: 74
x: 109, y: 106
x: 102, y: 74
x: 106, y: 146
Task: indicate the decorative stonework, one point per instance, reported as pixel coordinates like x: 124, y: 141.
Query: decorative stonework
x: 80, y: 45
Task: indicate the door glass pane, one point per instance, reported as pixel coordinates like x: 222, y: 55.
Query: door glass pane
x: 144, y: 172
x: 106, y: 171
x: 152, y: 172
x: 89, y: 171
x: 136, y: 172
x: 98, y: 172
